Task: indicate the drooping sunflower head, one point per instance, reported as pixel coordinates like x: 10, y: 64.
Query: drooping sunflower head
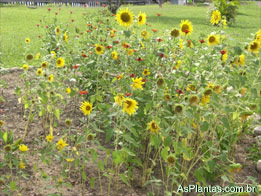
x: 99, y: 49
x: 86, y: 108
x: 213, y: 40
x: 186, y: 27
x: 208, y: 91
x: 193, y: 100
x: 60, y: 62
x: 174, y: 33
x: 44, y: 65
x: 253, y: 47
x: 119, y: 99
x: 215, y: 17
x: 153, y: 127
x: 130, y: 106
x: 57, y: 30
x: 141, y: 18
x: 145, y: 34
x: 178, y: 108
x: 124, y: 17
x: 29, y: 57
x: 160, y: 82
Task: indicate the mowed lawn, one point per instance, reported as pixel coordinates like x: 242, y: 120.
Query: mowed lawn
x: 18, y: 23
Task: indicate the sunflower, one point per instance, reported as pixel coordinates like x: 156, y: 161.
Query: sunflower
x: 49, y: 138
x: 193, y: 100
x: 60, y: 62
x: 205, y: 99
x: 178, y: 64
x: 68, y: 90
x: 99, y: 49
x: 39, y: 72
x: 178, y: 108
x: 86, y: 108
x: 61, y: 144
x: 44, y: 64
x: 146, y: 72
x: 130, y: 106
x: 258, y: 36
x: 37, y: 56
x: 174, y: 33
x: 137, y: 83
x: 50, y: 78
x: 53, y: 54
x: 124, y: 17
x: 142, y: 18
x: 253, y: 47
x: 186, y: 27
x: 145, y: 34
x: 213, y: 40
x: 25, y: 67
x: 153, y: 127
x: 242, y: 59
x: 118, y: 99
x: 215, y: 17
x: 114, y: 55
x: 65, y: 37
x: 57, y: 30
x: 27, y: 40
x: 130, y: 52
x: 29, y: 57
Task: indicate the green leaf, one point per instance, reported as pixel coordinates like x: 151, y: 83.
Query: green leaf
x: 164, y: 153
x: 124, y: 179
x: 199, y: 173
x: 100, y: 165
x: 84, y: 176
x: 109, y: 135
x: 57, y: 113
x: 127, y: 33
x: 5, y: 137
x: 155, y: 140
x: 92, y: 182
x: 13, y: 185
x: 204, y: 126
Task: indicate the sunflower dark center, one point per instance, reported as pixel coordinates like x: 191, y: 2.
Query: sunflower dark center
x: 140, y: 18
x: 98, y: 49
x: 59, y: 61
x: 88, y: 108
x: 184, y: 27
x: 253, y: 46
x: 125, y: 17
x: 154, y: 126
x: 174, y: 33
x: 129, y: 103
x: 212, y: 39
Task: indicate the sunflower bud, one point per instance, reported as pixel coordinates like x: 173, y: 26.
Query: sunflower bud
x: 90, y: 137
x: 8, y: 148
x: 208, y: 92
x: 170, y: 159
x: 193, y: 100
x: 68, y: 122
x: 160, y: 82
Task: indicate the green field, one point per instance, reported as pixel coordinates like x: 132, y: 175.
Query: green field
x: 18, y: 23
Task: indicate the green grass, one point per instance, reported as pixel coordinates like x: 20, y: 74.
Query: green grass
x: 18, y: 23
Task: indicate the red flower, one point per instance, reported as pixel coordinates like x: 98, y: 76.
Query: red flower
x: 83, y: 92
x: 108, y: 47
x: 85, y: 5
x: 154, y: 30
x: 57, y: 48
x: 159, y: 39
x: 104, y: 5
x: 70, y: 12
x: 132, y: 75
x: 49, y: 9
x: 162, y: 55
x: 186, y: 31
x: 128, y: 94
x: 76, y: 66
x: 107, y: 29
x: 139, y: 59
x: 134, y: 50
x: 144, y: 80
x: 37, y: 25
x: 202, y: 41
x: 84, y: 55
x: 39, y: 36
x: 89, y: 25
x: 223, y: 52
x: 116, y: 42
x: 158, y: 14
x: 56, y: 13
x: 179, y: 91
x: 113, y: 15
x: 60, y: 8
x: 126, y: 46
x: 73, y: 20
x: 46, y: 26
x: 89, y: 31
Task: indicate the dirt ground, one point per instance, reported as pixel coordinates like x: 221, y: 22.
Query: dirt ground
x: 11, y: 113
